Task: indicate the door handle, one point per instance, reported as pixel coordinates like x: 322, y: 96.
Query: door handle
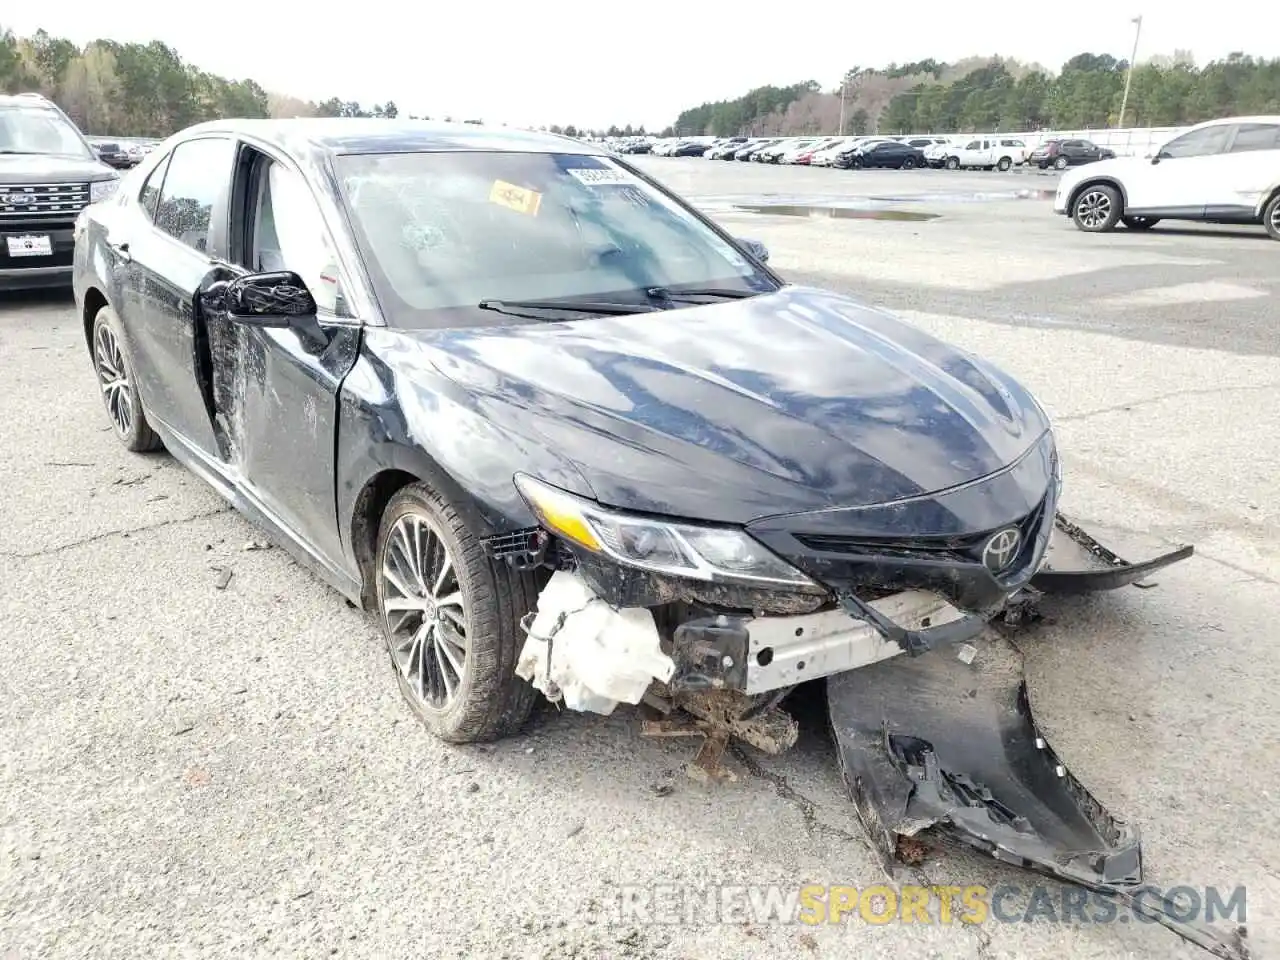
x: 121, y: 250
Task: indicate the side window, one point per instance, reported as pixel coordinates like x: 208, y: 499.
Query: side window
x: 289, y: 233
x: 199, y: 171
x: 1198, y: 143
x: 149, y: 198
x: 974, y: 145
x: 1256, y: 136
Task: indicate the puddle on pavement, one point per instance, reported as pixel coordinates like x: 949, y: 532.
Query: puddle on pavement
x: 872, y: 207
x: 839, y: 213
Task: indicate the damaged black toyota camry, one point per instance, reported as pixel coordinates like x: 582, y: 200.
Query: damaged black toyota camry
x: 568, y: 438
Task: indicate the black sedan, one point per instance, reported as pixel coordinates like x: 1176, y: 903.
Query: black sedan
x: 562, y: 434
x: 889, y: 154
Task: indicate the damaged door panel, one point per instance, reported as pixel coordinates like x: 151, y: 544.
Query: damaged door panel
x: 168, y: 264
x: 277, y: 369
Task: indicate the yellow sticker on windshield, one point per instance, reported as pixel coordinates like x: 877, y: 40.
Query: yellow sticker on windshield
x: 515, y: 198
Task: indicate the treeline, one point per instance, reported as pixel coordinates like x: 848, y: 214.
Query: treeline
x: 996, y: 93
x: 145, y: 90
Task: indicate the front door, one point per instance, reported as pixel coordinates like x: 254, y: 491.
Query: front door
x: 1174, y: 182
x: 275, y: 389
x: 169, y: 256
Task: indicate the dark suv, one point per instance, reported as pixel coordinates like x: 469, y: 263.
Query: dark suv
x: 48, y: 174
x: 1061, y: 154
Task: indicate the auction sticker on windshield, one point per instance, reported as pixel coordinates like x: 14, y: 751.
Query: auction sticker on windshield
x: 515, y: 198
x: 30, y: 246
x: 601, y: 176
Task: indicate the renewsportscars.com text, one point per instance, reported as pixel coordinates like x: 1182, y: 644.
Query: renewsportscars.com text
x: 881, y: 904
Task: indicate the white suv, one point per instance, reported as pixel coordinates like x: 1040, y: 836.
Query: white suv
x: 1223, y: 171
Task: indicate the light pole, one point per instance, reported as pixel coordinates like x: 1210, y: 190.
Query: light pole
x: 844, y: 82
x: 1128, y: 76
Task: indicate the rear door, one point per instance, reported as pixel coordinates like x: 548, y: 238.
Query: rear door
x: 1250, y: 168
x: 170, y: 257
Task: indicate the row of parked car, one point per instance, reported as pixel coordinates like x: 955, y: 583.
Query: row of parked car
x: 985, y: 152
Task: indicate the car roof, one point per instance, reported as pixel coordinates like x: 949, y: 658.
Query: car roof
x: 344, y: 135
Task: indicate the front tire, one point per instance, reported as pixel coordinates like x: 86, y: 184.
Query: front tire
x: 119, y: 387
x: 1271, y: 217
x: 953, y: 163
x: 1096, y: 209
x: 450, y: 619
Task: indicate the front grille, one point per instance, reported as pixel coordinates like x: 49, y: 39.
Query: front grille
x: 42, y: 201
x: 965, y: 549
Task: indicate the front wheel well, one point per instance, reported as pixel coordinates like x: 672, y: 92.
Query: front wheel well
x: 1096, y: 182
x: 1262, y: 208
x: 365, y: 521
x: 93, y: 302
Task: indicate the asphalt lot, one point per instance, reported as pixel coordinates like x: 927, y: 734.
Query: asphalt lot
x: 188, y: 770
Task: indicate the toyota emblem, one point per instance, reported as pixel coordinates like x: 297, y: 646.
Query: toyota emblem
x: 1001, y: 549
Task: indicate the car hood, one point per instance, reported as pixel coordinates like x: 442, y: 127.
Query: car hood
x: 16, y: 168
x: 796, y: 400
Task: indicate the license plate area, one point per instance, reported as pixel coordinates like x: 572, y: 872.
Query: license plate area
x: 30, y: 245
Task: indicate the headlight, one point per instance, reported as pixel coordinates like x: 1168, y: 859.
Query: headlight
x: 714, y: 554
x: 101, y: 189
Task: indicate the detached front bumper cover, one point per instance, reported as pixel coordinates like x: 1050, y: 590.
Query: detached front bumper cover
x: 947, y: 741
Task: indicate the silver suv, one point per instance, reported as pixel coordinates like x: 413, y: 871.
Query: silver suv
x: 48, y: 174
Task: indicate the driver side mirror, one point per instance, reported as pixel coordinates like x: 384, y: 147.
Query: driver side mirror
x: 757, y: 249
x: 268, y: 299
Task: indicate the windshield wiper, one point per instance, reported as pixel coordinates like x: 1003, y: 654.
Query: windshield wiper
x: 692, y: 296
x: 607, y: 308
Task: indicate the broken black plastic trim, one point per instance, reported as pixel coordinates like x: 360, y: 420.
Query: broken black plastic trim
x: 913, y: 642
x: 1077, y: 563
x: 938, y: 742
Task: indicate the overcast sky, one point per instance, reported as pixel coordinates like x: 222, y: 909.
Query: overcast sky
x: 533, y: 62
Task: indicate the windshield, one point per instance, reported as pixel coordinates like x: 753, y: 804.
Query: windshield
x: 38, y: 130
x: 441, y: 232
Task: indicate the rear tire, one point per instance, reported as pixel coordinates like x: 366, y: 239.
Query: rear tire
x: 1060, y: 163
x: 1097, y: 208
x: 1271, y: 217
x: 450, y: 619
x: 119, y: 386
x: 1004, y: 164
x: 1139, y: 223
x: 908, y: 163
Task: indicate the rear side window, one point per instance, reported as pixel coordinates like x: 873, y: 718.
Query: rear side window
x: 149, y: 198
x: 199, y: 171
x: 1256, y: 136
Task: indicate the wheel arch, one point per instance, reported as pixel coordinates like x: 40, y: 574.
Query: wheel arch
x: 94, y: 300
x: 1095, y: 182
x: 1267, y: 197
x: 399, y: 467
